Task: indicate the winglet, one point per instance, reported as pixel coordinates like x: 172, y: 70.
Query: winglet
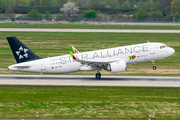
x: 73, y: 57
x: 74, y: 49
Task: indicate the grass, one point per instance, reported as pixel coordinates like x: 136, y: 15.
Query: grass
x: 87, y: 26
x: 89, y: 102
x: 22, y: 102
x: 55, y: 44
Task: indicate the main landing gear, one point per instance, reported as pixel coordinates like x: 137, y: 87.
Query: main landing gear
x: 154, y: 67
x: 98, y: 76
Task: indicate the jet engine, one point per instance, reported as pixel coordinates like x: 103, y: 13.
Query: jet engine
x: 119, y: 66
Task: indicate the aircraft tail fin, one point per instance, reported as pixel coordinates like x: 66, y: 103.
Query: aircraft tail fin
x: 20, y: 51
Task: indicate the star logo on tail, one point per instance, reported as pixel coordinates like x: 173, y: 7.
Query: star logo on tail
x: 22, y: 53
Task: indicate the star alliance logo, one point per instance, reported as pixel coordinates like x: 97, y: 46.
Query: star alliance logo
x: 22, y: 53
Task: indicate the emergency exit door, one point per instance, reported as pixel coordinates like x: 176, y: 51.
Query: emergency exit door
x: 43, y: 66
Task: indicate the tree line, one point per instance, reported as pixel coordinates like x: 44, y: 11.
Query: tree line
x: 139, y: 8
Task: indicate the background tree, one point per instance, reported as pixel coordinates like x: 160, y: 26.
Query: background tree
x: 132, y: 3
x: 91, y: 14
x: 95, y: 4
x: 69, y: 9
x: 101, y: 6
x: 114, y: 4
x: 163, y: 5
x: 175, y: 6
x: 141, y: 13
x: 127, y: 5
x: 143, y: 4
x: 34, y: 14
x: 176, y: 15
x: 83, y: 3
x: 7, y: 6
x: 47, y: 15
x: 23, y: 2
x: 156, y: 14
x: 9, y: 11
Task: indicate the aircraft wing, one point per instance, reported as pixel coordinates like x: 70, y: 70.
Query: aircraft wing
x: 95, y: 62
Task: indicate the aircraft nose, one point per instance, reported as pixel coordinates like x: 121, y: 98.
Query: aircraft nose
x: 171, y: 51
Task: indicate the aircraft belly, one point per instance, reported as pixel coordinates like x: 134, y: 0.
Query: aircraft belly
x: 71, y: 67
x: 35, y: 67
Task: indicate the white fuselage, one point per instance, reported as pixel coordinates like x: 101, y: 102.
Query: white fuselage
x: 65, y: 64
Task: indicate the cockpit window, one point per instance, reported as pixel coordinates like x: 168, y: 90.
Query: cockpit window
x: 163, y: 46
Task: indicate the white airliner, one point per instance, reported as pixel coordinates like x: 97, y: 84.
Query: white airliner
x: 113, y: 59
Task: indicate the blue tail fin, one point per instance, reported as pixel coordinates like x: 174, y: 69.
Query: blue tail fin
x: 20, y: 51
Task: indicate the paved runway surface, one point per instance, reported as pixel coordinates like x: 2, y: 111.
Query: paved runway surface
x: 77, y: 80
x: 88, y: 30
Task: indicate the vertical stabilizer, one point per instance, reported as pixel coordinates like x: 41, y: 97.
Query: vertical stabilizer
x: 20, y: 51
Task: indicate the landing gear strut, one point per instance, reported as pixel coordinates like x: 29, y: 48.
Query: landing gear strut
x: 154, y: 67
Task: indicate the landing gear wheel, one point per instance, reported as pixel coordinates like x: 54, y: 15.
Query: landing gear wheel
x: 154, y: 67
x: 98, y: 76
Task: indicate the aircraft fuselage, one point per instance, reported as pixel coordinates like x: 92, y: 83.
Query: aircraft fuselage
x: 65, y: 64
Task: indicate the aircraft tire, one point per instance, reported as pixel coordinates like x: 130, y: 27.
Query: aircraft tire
x: 154, y: 67
x: 98, y: 76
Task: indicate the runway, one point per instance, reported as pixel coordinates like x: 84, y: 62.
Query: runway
x: 87, y: 30
x: 81, y: 80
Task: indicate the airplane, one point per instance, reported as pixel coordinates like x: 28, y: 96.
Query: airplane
x: 112, y: 59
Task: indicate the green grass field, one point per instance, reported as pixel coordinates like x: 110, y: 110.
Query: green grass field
x: 89, y: 102
x: 87, y: 26
x: 55, y: 44
x: 23, y: 102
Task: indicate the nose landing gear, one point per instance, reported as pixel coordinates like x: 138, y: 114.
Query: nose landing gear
x: 154, y: 67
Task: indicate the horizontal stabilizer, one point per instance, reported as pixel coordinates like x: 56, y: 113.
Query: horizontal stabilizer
x: 22, y: 66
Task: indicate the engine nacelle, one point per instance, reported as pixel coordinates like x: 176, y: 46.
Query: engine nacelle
x: 119, y: 66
